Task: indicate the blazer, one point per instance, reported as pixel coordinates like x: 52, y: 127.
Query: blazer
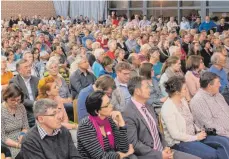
x: 138, y: 132
x: 27, y: 102
x: 174, y: 123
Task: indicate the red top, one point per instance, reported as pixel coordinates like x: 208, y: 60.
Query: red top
x: 110, y: 54
x: 102, y: 44
x: 115, y: 22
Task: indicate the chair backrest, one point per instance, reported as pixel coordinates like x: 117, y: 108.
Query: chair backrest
x: 75, y: 111
x: 3, y: 156
x: 160, y: 124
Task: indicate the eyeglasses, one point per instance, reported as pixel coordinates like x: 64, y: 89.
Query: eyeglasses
x: 107, y: 105
x: 15, y: 100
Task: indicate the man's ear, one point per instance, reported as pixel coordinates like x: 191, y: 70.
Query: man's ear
x: 40, y: 119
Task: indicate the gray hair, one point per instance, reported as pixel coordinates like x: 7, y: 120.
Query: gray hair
x: 75, y: 64
x: 40, y: 107
x: 25, y: 53
x: 52, y: 60
x: 98, y: 52
x: 215, y: 57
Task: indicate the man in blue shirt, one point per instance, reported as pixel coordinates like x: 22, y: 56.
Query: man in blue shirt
x: 218, y: 61
x: 121, y: 96
x: 207, y: 25
x: 87, y: 36
x: 105, y: 83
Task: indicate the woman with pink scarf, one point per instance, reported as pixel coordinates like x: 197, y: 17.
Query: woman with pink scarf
x: 103, y: 134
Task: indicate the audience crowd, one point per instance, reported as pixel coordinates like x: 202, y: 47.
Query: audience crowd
x: 74, y: 88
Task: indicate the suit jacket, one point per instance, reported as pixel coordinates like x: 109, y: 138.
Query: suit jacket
x: 138, y: 132
x: 18, y: 80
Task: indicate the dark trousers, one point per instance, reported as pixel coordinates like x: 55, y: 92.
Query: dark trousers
x: 213, y: 147
x: 69, y: 110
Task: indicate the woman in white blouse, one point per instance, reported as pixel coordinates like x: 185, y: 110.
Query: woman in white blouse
x: 180, y: 131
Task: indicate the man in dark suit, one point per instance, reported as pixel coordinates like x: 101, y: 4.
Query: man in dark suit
x: 28, y: 85
x: 142, y: 128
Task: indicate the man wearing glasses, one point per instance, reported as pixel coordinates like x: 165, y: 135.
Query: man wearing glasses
x: 48, y: 139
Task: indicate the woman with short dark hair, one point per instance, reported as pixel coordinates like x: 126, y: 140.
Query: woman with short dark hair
x: 206, y: 53
x: 180, y: 130
x: 13, y: 119
x: 98, y: 134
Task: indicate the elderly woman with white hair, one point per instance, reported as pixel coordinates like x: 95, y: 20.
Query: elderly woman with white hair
x: 96, y: 67
x: 52, y: 67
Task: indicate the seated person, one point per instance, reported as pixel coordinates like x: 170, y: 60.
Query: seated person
x: 13, y: 119
x: 48, y: 139
x: 48, y: 88
x: 53, y: 70
x: 142, y: 128
x: 107, y: 67
x: 105, y: 83
x: 171, y: 67
x: 6, y: 76
x: 209, y: 107
x: 156, y: 98
x: 180, y: 130
x: 81, y: 78
x: 121, y: 95
x: 99, y: 55
x: 98, y: 135
x: 194, y: 66
x: 218, y: 61
x: 28, y: 84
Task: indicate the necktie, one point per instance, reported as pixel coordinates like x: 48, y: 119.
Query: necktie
x: 157, y: 142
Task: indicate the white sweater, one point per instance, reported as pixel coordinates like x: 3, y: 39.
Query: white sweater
x: 174, y: 124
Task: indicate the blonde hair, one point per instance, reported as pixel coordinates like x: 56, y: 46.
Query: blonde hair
x: 95, y: 45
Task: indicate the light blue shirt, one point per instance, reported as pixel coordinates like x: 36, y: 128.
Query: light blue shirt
x: 96, y: 67
x: 222, y: 75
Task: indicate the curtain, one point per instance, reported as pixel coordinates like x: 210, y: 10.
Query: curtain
x: 91, y: 9
x: 61, y: 7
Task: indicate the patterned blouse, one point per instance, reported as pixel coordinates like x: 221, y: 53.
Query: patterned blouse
x: 13, y: 124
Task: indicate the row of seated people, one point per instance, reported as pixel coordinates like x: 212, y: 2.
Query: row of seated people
x: 138, y: 126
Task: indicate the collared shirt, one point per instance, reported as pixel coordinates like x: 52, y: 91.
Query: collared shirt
x: 120, y: 96
x: 78, y: 81
x: 144, y: 23
x: 184, y: 25
x: 139, y: 107
x: 28, y: 86
x: 43, y: 133
x: 211, y: 111
x: 131, y: 45
x: 222, y: 75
